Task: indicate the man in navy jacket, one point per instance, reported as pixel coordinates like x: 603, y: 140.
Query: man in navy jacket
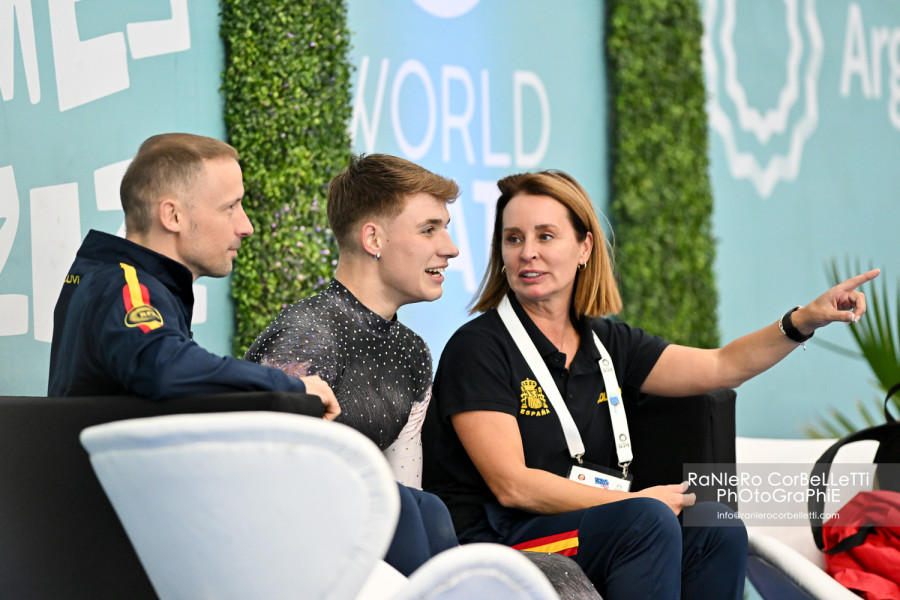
x: 122, y: 321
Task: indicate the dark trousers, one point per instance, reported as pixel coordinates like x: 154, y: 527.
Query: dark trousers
x: 638, y: 548
x: 423, y: 529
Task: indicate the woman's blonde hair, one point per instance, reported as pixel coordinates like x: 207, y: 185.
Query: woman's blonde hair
x: 596, y: 293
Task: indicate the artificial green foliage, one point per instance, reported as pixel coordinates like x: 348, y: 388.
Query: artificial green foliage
x: 661, y: 202
x: 287, y: 107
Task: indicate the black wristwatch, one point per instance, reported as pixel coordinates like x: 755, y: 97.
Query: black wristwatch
x: 788, y: 329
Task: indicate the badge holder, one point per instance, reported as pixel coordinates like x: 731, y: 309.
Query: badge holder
x: 600, y: 477
x: 586, y: 473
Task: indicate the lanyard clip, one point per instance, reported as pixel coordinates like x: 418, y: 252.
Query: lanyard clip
x: 625, y: 466
x: 578, y: 458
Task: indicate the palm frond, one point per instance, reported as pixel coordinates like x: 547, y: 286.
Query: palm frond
x: 828, y: 345
x: 868, y: 418
x: 836, y: 424
x: 876, y: 338
x: 875, y: 334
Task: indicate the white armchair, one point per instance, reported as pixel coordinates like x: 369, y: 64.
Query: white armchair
x: 268, y: 505
x: 783, y: 561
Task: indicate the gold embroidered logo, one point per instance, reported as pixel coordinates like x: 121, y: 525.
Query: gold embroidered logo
x: 534, y: 404
x: 604, y: 398
x: 143, y: 315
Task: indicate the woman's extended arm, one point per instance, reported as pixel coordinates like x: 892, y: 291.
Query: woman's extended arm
x: 493, y: 442
x: 683, y: 371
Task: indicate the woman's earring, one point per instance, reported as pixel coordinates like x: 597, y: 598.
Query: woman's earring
x: 503, y: 269
x: 582, y: 266
x: 378, y: 256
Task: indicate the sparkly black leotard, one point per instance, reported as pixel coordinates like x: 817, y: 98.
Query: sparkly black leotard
x: 378, y: 369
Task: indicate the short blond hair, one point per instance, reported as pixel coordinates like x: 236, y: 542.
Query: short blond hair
x: 169, y: 163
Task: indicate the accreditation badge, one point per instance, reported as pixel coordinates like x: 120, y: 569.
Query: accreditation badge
x: 606, y: 479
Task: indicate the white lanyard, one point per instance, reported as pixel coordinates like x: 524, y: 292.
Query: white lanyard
x: 539, y: 368
x: 616, y: 407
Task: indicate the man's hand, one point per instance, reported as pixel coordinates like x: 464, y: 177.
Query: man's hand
x: 317, y: 387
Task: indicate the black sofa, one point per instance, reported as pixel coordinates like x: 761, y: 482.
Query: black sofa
x: 60, y: 538
x: 669, y: 433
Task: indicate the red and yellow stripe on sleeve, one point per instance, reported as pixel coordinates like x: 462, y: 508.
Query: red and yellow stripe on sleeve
x: 565, y: 543
x: 139, y: 312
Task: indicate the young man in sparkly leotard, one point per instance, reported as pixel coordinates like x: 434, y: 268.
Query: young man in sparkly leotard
x: 390, y: 219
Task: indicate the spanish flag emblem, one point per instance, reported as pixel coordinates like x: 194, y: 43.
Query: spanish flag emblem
x: 139, y: 312
x: 561, y: 543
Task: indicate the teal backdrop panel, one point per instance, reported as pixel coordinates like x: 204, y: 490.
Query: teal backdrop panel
x: 476, y: 90
x: 804, y: 110
x: 82, y: 84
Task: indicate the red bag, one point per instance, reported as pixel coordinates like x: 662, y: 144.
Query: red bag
x: 862, y: 545
x: 862, y: 541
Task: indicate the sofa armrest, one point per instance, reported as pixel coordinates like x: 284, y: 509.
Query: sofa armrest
x: 778, y: 571
x: 668, y: 433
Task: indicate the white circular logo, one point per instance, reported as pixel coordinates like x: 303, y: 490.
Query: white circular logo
x: 447, y: 9
x: 795, y: 116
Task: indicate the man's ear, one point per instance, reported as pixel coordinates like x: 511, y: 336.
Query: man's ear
x: 170, y: 214
x: 371, y: 238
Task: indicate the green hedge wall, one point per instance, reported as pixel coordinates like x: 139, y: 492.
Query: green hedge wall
x: 288, y: 103
x: 661, y: 203
x: 287, y: 107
